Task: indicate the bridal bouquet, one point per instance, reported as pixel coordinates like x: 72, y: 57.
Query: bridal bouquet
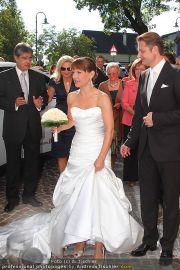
x: 54, y: 118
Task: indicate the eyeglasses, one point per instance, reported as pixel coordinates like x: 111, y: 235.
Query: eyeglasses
x: 64, y: 69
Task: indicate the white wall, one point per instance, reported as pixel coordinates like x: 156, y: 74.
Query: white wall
x: 122, y: 58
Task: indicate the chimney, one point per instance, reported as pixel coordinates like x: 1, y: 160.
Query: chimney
x: 124, y: 37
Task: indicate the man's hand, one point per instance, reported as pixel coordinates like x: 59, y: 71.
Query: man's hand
x: 125, y: 151
x: 148, y: 120
x: 20, y: 101
x: 117, y: 106
x: 38, y: 102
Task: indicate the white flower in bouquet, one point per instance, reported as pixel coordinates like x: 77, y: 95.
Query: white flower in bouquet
x: 54, y: 118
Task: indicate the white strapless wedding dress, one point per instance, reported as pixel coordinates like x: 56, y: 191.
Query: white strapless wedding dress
x: 89, y: 206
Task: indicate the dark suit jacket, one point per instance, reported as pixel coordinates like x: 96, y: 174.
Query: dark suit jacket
x: 164, y: 137
x: 101, y: 77
x: 15, y: 122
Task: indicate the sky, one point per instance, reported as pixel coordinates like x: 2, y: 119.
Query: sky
x: 64, y: 15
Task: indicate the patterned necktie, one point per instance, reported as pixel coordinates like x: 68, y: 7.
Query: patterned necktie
x: 24, y: 86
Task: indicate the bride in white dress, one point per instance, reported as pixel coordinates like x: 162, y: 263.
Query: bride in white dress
x: 89, y: 200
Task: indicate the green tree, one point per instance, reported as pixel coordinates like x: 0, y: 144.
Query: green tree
x: 70, y: 42
x: 170, y: 46
x: 134, y: 14
x: 12, y: 29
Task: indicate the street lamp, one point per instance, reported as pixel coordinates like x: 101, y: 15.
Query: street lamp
x: 176, y: 23
x: 177, y: 38
x: 45, y: 22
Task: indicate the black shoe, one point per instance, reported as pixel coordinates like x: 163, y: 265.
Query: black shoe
x: 166, y: 257
x: 10, y: 206
x: 32, y: 201
x: 142, y: 249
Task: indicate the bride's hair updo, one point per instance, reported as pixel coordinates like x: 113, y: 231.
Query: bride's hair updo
x: 85, y: 64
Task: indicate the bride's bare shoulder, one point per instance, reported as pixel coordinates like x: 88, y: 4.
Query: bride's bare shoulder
x: 72, y: 96
x: 74, y: 93
x: 103, y: 98
x: 102, y: 93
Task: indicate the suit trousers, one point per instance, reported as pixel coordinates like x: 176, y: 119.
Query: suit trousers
x: 130, y: 163
x: 155, y: 178
x: 30, y: 167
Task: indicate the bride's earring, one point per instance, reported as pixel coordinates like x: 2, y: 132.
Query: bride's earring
x: 91, y: 83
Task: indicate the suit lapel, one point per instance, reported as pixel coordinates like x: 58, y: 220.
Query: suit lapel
x: 144, y: 89
x: 30, y: 83
x: 16, y: 82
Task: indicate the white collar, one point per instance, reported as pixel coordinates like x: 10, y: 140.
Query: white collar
x: 19, y: 72
x: 157, y: 69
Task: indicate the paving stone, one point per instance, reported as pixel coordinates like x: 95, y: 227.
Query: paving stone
x: 46, y: 186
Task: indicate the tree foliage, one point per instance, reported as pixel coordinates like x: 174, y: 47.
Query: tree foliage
x: 134, y: 14
x: 12, y: 29
x: 67, y: 42
x: 169, y: 46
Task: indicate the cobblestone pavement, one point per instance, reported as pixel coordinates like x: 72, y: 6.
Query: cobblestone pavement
x: 48, y: 180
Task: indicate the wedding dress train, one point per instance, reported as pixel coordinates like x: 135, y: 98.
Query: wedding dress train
x: 88, y: 206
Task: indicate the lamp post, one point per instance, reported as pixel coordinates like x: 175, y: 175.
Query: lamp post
x: 45, y: 22
x: 177, y: 39
x: 176, y: 23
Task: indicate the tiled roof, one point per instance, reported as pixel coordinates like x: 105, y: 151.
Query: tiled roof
x: 170, y: 34
x: 104, y: 41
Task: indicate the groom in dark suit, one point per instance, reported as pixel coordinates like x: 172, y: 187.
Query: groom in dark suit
x: 22, y: 95
x: 156, y: 126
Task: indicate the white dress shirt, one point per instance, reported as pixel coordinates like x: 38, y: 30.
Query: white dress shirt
x: 153, y: 76
x: 19, y: 72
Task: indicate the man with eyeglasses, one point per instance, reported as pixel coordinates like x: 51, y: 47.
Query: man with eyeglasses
x: 22, y: 96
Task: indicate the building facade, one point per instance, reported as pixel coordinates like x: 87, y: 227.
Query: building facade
x: 125, y: 44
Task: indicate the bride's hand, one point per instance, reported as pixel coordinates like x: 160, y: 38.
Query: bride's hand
x: 98, y: 164
x: 56, y: 129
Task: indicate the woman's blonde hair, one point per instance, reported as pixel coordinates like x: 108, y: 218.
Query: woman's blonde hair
x: 57, y: 74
